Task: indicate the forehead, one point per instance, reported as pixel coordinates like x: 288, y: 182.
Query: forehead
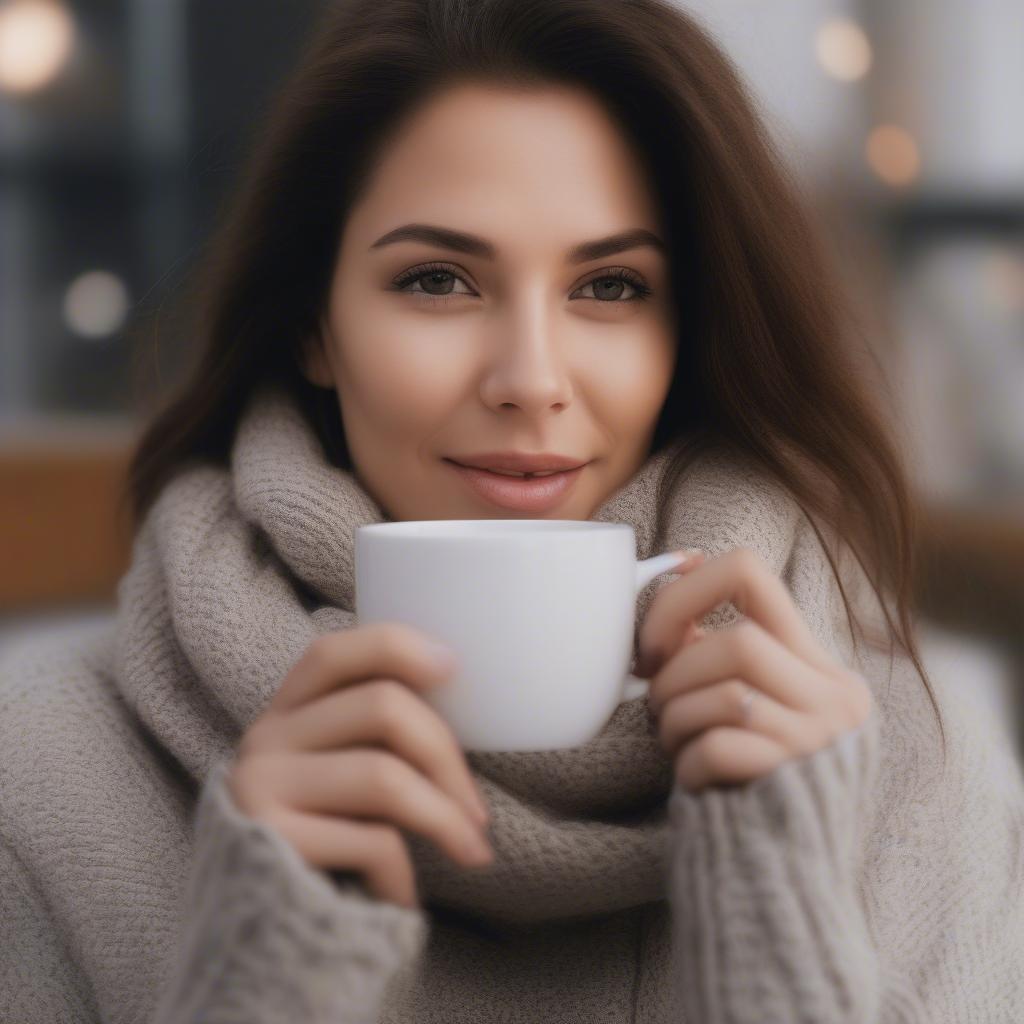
x: 503, y: 161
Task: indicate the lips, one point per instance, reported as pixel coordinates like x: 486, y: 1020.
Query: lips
x: 519, y: 462
x: 521, y: 494
x: 514, y: 475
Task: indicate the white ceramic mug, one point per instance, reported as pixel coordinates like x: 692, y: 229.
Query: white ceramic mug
x: 540, y: 614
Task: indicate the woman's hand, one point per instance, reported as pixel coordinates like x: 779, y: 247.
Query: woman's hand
x: 347, y: 751
x: 736, y: 703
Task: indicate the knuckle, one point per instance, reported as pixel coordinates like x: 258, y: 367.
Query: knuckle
x: 747, y: 643
x: 389, y: 704
x: 735, y: 691
x: 384, y: 775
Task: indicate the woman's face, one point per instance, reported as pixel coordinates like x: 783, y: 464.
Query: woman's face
x: 444, y: 349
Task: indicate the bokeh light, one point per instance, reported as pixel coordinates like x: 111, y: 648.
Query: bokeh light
x: 843, y: 49
x: 893, y: 155
x: 96, y: 304
x: 36, y: 37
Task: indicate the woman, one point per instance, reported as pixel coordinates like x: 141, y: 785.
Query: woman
x: 537, y: 226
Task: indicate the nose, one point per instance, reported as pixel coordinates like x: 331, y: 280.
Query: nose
x: 527, y: 366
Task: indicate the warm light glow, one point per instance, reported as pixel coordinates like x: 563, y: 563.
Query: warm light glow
x: 35, y: 39
x: 96, y: 304
x: 893, y: 155
x: 843, y: 49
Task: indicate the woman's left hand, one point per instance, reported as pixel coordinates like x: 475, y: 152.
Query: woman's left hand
x: 736, y: 703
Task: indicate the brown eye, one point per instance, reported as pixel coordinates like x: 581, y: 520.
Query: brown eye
x: 608, y: 287
x: 436, y: 281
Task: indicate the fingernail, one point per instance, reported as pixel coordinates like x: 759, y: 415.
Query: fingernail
x: 688, y: 555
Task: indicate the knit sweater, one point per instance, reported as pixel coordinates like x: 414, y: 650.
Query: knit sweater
x: 868, y: 882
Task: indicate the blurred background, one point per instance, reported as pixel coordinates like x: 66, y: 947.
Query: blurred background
x: 123, y: 127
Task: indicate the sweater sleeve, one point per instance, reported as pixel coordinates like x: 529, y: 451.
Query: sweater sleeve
x: 268, y: 938
x: 768, y: 924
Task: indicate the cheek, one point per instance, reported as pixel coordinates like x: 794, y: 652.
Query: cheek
x: 398, y: 381
x: 632, y: 378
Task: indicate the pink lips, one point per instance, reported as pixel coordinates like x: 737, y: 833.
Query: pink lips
x: 540, y: 494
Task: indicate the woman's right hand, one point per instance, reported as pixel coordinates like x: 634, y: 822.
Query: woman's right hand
x: 347, y: 751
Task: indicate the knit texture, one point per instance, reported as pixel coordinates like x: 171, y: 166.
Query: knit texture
x: 862, y: 883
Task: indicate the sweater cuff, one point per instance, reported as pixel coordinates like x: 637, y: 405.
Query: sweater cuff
x: 268, y: 937
x: 764, y: 886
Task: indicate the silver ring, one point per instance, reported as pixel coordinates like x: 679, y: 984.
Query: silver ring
x: 746, y: 702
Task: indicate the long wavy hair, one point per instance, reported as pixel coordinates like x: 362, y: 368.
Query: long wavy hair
x: 769, y: 364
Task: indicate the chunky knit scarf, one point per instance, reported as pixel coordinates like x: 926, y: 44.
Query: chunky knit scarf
x: 235, y: 573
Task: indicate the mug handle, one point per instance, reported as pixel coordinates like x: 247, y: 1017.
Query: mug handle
x: 646, y: 570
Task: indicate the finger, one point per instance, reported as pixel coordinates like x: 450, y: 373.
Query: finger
x: 727, y: 756
x: 741, y: 651
x: 373, y: 850
x: 646, y: 666
x: 739, y: 576
x: 725, y: 704
x: 375, y: 784
x: 387, y: 712
x: 339, y: 658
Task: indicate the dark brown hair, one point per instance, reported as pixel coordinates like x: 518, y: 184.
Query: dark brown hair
x: 767, y: 366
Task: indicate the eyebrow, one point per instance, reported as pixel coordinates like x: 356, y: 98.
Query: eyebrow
x: 474, y: 245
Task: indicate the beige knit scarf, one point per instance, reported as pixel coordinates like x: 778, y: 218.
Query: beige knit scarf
x: 236, y: 570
